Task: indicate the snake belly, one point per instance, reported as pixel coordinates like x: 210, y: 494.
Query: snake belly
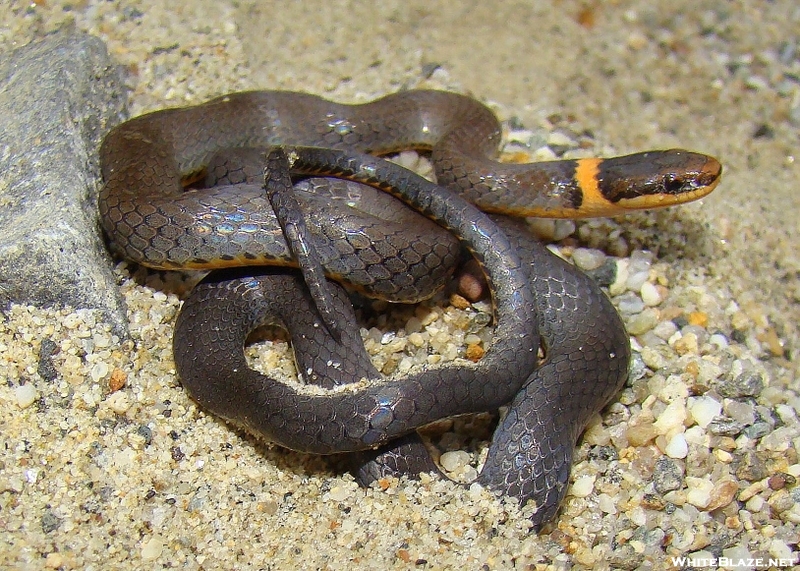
x: 149, y: 218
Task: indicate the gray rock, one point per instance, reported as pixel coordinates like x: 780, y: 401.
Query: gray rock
x: 59, y: 96
x: 747, y: 384
x: 667, y: 476
x: 750, y: 465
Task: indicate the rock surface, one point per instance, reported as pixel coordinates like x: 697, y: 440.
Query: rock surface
x: 59, y: 96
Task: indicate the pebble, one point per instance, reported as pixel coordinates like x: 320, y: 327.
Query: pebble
x: 629, y: 304
x: 588, y: 259
x: 582, y: 486
x: 750, y: 466
x: 119, y: 402
x: 340, y: 493
x: 639, y: 270
x: 454, y: 460
x: 653, y: 359
x: 758, y: 430
x: 671, y: 419
x: 643, y: 322
x: 736, y: 555
x: 550, y: 230
x: 25, y: 395
x: 687, y: 344
x: 650, y: 294
x: 99, y: 371
x: 558, y: 139
x: 667, y: 476
x: 621, y: 278
x: 605, y: 274
x: 780, y: 550
x: 704, y: 409
x: 699, y: 491
x: 722, y: 494
x: 152, y: 548
x: 677, y: 447
x: 743, y: 412
x: 719, y: 341
x: 722, y: 426
x: 779, y: 481
x: 747, y: 384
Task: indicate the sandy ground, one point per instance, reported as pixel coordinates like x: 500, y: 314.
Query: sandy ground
x: 715, y: 76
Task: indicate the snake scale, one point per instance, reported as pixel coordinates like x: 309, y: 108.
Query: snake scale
x: 152, y: 218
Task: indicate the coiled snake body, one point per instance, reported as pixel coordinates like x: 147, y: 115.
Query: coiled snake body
x: 151, y: 219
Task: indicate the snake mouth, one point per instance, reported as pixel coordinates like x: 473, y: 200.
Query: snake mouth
x: 663, y: 200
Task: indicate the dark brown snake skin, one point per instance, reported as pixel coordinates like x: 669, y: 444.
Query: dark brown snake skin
x: 150, y: 219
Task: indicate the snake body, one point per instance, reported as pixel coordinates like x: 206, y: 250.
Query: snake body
x: 151, y: 219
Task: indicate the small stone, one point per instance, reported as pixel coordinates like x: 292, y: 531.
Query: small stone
x: 640, y: 434
x: 653, y: 359
x: 119, y: 402
x: 26, y: 395
x: 758, y: 430
x: 755, y: 504
x: 665, y: 329
x: 117, y: 380
x: 50, y: 522
x: 780, y: 481
x: 454, y: 460
x: 605, y: 274
x: 582, y: 486
x: 781, y: 501
x: 637, y: 279
x: 650, y: 294
x: 723, y: 456
x: 653, y: 502
x: 607, y: 504
x: 719, y: 340
x: 667, y: 476
x: 588, y: 259
x: 750, y: 466
x: 459, y: 302
x: 699, y: 491
x: 643, y: 322
x: 736, y: 554
x: 772, y: 341
x: 152, y: 548
x: 339, y: 493
x: 747, y: 384
x: 474, y: 352
x: 723, y: 426
x: 558, y: 139
x: 624, y: 557
x: 698, y: 318
x: 629, y: 304
x: 46, y: 368
x: 704, y: 410
x: 781, y: 550
x: 687, y: 344
x: 551, y: 230
x: 146, y: 433
x: 621, y: 277
x: 671, y: 418
x: 54, y: 560
x: 677, y: 447
x: 750, y: 491
x: 742, y: 412
x: 722, y: 494
x: 98, y: 371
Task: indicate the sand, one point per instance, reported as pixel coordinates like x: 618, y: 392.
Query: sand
x: 109, y: 465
